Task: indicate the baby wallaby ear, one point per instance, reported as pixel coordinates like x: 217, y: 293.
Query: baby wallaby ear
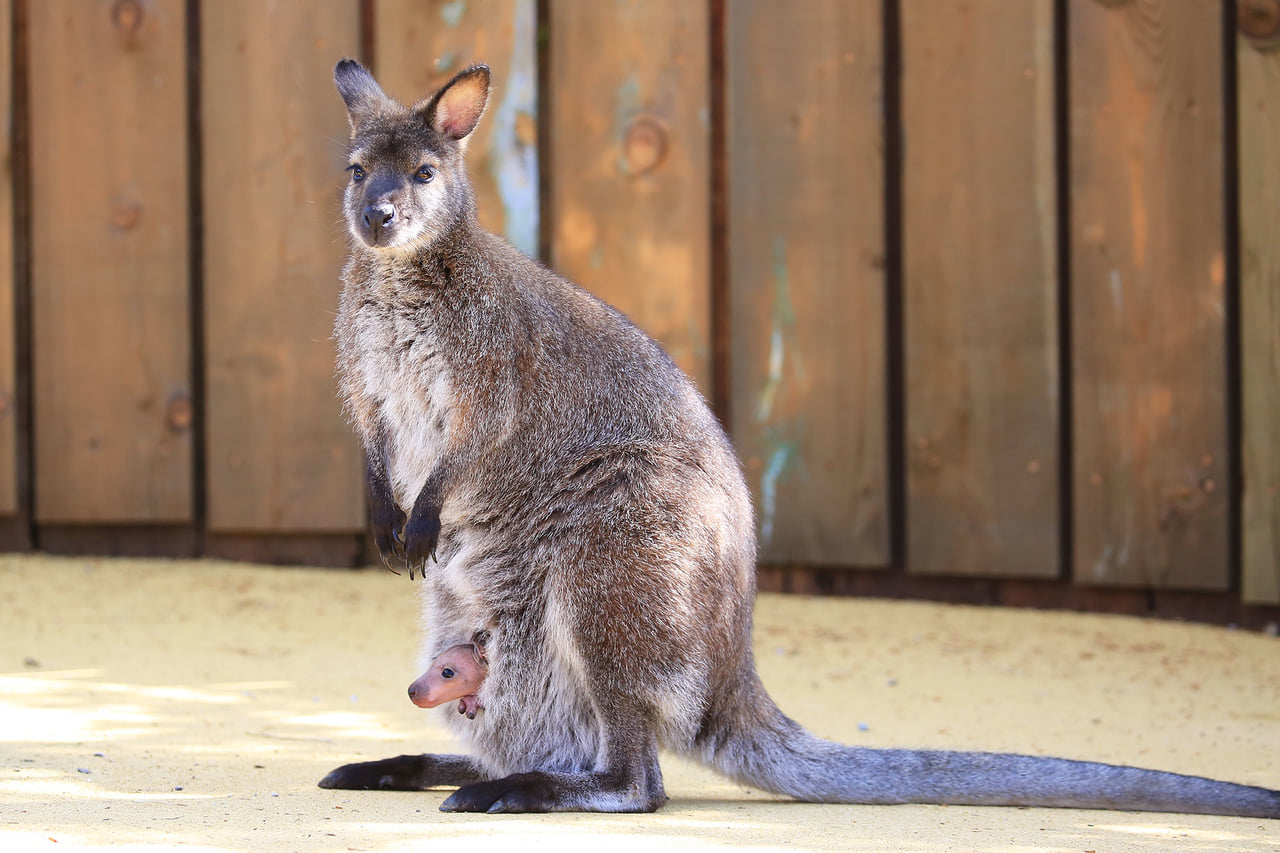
x: 455, y: 110
x: 361, y: 93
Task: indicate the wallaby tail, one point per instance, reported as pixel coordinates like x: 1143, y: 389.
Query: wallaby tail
x: 756, y: 744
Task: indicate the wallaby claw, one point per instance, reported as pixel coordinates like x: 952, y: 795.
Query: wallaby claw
x: 387, y: 565
x: 385, y: 523
x: 421, y: 537
x: 419, y: 560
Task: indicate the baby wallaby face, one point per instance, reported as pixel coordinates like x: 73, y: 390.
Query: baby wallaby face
x: 407, y: 183
x: 456, y: 674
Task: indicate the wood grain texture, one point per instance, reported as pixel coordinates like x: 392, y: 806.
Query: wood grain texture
x: 630, y: 164
x: 279, y: 454
x: 109, y: 226
x: 806, y: 276
x: 8, y: 339
x: 1258, y: 67
x: 980, y: 288
x: 420, y: 44
x: 1151, y: 477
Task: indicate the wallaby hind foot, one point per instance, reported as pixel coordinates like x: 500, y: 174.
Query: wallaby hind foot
x: 405, y: 773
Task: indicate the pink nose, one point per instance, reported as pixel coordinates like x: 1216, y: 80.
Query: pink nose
x: 418, y: 695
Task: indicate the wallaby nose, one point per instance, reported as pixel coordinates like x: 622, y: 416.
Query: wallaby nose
x: 379, y: 216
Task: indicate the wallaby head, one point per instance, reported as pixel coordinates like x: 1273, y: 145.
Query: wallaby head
x: 408, y: 184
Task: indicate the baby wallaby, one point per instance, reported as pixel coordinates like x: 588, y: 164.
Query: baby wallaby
x: 456, y: 674
x: 584, y: 503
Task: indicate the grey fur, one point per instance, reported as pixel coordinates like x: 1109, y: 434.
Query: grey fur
x: 585, y: 507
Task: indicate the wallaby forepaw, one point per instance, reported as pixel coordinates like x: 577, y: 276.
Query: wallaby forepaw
x: 421, y: 535
x: 386, y: 537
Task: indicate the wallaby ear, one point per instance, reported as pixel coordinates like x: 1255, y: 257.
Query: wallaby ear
x: 455, y: 110
x: 361, y: 93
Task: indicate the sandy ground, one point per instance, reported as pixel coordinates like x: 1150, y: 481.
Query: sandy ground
x: 197, y: 703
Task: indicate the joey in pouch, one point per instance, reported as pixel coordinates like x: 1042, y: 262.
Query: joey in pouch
x: 456, y: 674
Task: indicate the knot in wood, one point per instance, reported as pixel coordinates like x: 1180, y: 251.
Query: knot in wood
x: 644, y: 146
x: 177, y: 415
x: 126, y: 16
x: 126, y: 215
x: 1259, y: 21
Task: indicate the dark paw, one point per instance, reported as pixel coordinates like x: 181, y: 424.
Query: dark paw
x: 386, y: 536
x: 524, y: 792
x: 354, y: 777
x: 421, y: 534
x: 403, y: 773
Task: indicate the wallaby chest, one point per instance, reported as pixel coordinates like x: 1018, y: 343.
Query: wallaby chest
x: 400, y: 370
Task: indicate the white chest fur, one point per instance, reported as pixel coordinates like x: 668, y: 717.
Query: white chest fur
x: 404, y: 376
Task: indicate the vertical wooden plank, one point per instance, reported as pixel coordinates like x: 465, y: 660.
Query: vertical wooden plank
x: 8, y: 341
x: 420, y: 44
x: 806, y: 275
x: 980, y: 287
x: 280, y: 456
x: 1150, y: 475
x: 630, y: 164
x: 1258, y: 67
x: 109, y: 261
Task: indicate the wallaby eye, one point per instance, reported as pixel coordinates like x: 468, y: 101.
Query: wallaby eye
x: 424, y: 175
x: 447, y: 672
x: 357, y: 172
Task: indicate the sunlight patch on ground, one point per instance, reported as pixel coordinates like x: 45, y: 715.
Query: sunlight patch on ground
x: 1184, y: 834
x: 343, y: 724
x: 170, y: 694
x: 73, y: 788
x: 251, y: 686
x: 14, y: 683
x: 20, y: 842
x: 61, y: 725
x: 83, y: 680
x: 502, y: 832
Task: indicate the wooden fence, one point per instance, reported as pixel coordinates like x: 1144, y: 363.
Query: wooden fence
x: 987, y: 292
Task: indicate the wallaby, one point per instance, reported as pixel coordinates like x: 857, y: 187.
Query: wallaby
x: 587, y: 509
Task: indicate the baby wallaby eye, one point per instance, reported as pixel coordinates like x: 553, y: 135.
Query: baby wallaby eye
x: 357, y: 172
x: 447, y: 672
x: 424, y: 174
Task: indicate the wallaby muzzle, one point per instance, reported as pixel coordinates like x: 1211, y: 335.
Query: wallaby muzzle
x: 377, y: 218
